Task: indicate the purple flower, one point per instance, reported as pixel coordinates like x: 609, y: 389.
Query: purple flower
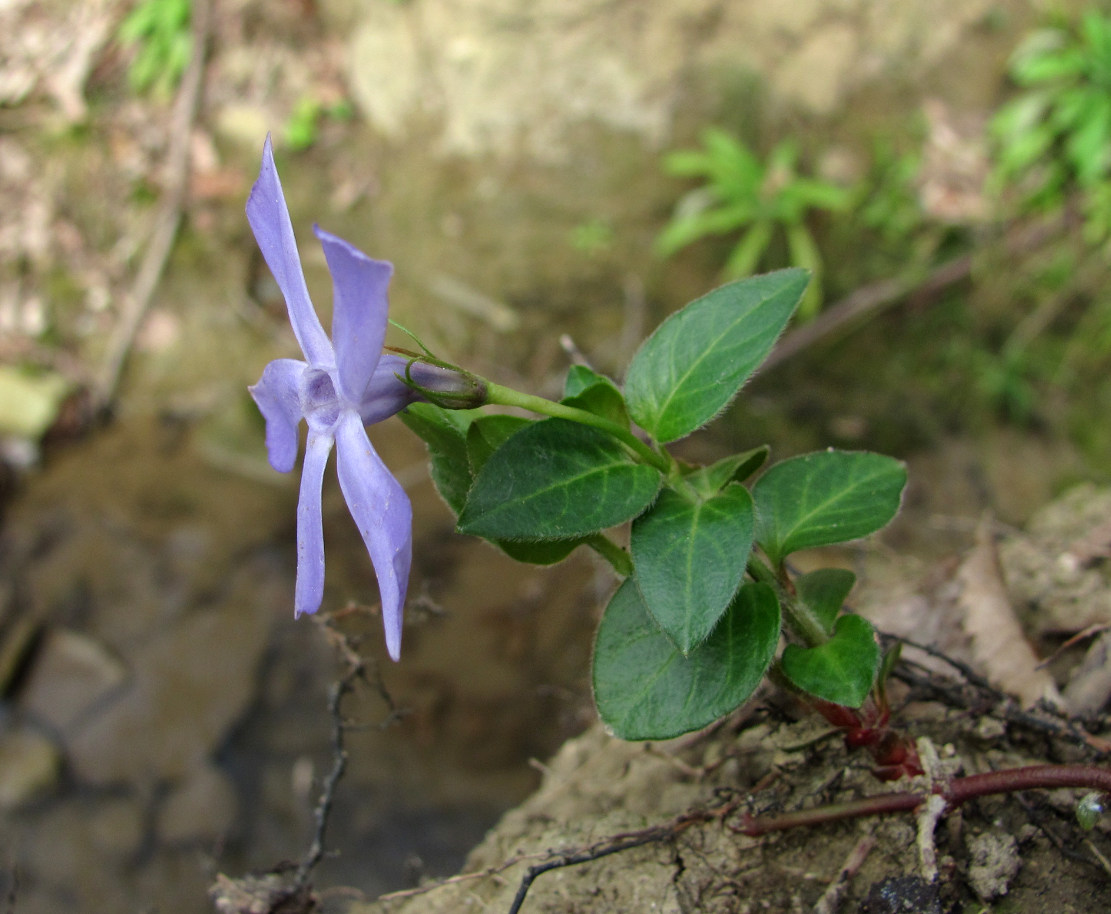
x: 344, y: 384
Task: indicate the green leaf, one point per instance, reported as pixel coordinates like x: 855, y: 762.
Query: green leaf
x: 736, y: 468
x: 697, y: 216
x: 690, y: 555
x: 548, y: 552
x: 646, y: 689
x: 586, y: 389
x: 804, y: 253
x: 746, y: 254
x: 843, y: 669
x: 556, y: 480
x: 486, y: 434
x: 823, y: 498
x: 824, y: 591
x: 445, y: 433
x: 689, y: 369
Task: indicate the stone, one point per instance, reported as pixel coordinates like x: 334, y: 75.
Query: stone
x: 29, y: 766
x: 832, y: 52
x: 71, y: 674
x: 1057, y: 570
x: 994, y: 863
x: 84, y: 845
x: 190, y: 683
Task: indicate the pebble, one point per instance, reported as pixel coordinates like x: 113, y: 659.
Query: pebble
x: 70, y: 675
x: 189, y: 685
x: 30, y: 765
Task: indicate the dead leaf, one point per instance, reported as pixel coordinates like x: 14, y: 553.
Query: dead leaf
x: 1090, y: 686
x: 999, y: 644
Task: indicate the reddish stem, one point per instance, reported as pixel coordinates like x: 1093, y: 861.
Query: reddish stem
x: 955, y: 792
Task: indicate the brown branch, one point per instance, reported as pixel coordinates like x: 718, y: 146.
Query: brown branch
x: 622, y: 842
x: 870, y: 300
x: 323, y: 809
x: 831, y: 899
x: 988, y: 700
x: 955, y: 792
x: 167, y: 220
x: 357, y: 669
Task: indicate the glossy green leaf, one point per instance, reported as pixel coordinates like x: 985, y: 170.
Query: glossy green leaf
x: 824, y: 591
x: 736, y: 468
x: 843, y: 669
x: 445, y: 433
x: 486, y: 434
x: 556, y: 480
x: 689, y: 369
x: 646, y: 689
x: 825, y: 497
x: 689, y: 555
x: 547, y: 552
x: 586, y: 389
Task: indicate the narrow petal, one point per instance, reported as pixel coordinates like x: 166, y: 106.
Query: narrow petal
x: 309, y: 590
x: 360, y: 311
x: 269, y: 219
x: 278, y: 401
x: 382, y: 512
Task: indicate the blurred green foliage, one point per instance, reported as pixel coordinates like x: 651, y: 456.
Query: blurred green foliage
x: 593, y: 237
x: 1054, y: 138
x: 302, y: 129
x: 158, y: 31
x: 891, y: 208
x: 762, y: 200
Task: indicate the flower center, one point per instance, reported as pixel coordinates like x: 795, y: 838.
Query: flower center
x: 319, y: 402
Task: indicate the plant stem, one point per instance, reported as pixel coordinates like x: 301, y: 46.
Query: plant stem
x: 798, y: 617
x: 612, y: 553
x: 955, y: 792
x: 507, y: 396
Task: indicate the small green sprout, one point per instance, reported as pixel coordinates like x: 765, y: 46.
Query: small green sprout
x: 159, y: 32
x: 1055, y: 137
x: 740, y: 193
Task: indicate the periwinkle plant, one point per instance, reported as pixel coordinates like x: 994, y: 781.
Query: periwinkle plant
x: 346, y: 383
x: 705, y: 589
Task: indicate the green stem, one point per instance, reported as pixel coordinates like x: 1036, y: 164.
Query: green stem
x: 507, y: 396
x: 612, y: 553
x: 798, y: 617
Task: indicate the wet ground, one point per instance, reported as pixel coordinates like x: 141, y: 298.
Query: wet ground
x: 169, y: 700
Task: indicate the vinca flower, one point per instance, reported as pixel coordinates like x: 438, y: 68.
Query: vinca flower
x: 344, y: 383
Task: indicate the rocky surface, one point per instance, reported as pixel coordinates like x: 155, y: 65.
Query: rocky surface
x: 598, y: 793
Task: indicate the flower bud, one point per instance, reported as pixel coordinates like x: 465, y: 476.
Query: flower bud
x: 450, y: 388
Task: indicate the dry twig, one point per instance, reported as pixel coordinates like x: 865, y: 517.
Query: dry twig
x: 167, y: 220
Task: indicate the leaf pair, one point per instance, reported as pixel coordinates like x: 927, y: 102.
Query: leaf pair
x: 684, y: 639
x: 818, y: 500
x: 645, y: 688
x: 843, y: 668
x: 536, y: 489
x: 559, y: 480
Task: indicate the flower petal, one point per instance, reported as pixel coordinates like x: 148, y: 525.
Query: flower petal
x: 309, y: 590
x: 386, y: 394
x: 359, y: 312
x: 269, y: 219
x: 385, y: 519
x: 278, y: 401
